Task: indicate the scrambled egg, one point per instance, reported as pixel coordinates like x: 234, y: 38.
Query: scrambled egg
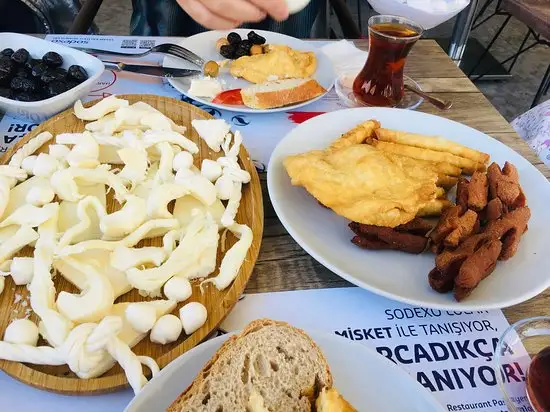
x: 280, y: 62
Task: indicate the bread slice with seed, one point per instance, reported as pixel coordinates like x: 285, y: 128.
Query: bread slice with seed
x: 281, y: 93
x: 270, y: 366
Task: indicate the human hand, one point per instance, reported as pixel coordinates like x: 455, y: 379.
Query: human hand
x: 227, y: 14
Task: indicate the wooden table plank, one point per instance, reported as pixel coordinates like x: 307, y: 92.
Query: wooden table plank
x: 447, y: 85
x: 484, y: 118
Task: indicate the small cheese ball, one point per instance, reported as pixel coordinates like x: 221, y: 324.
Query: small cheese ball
x: 193, y: 316
x: 22, y: 332
x: 178, y: 289
x: 141, y: 317
x: 166, y: 330
x: 183, y: 160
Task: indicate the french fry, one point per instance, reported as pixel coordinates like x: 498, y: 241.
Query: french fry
x: 362, y: 133
x: 447, y: 169
x: 440, y: 193
x: 435, y: 143
x: 434, y: 208
x: 431, y: 167
x: 468, y: 166
x: 446, y: 182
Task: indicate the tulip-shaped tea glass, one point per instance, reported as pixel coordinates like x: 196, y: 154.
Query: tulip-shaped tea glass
x: 522, y: 365
x: 380, y: 82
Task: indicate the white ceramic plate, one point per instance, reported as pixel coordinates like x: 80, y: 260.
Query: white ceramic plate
x: 400, y: 276
x: 366, y: 379
x: 204, y: 45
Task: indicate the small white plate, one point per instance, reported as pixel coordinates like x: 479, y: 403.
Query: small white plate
x: 43, y: 109
x: 366, y: 379
x: 204, y: 45
x: 400, y: 276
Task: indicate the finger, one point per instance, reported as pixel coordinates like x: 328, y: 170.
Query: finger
x: 238, y: 10
x: 205, y: 17
x: 275, y: 8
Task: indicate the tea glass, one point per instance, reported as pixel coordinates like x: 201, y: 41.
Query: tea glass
x: 380, y: 82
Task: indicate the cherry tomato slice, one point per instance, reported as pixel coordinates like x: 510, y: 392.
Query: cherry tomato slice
x: 230, y: 97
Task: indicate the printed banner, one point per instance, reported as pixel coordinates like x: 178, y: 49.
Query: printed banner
x: 449, y: 353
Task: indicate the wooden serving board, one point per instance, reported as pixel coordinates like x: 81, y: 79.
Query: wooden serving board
x: 59, y: 378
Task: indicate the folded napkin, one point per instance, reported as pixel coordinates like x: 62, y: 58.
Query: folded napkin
x: 345, y: 57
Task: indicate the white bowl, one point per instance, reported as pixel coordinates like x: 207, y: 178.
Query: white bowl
x: 427, y: 19
x: 43, y: 109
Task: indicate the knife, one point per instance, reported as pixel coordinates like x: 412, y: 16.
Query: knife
x: 158, y: 71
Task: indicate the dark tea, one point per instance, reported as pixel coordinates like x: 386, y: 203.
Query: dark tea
x: 538, y: 381
x: 380, y: 82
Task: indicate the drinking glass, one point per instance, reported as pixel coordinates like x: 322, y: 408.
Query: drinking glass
x: 380, y: 82
x: 522, y: 365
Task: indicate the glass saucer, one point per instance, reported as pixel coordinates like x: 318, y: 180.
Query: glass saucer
x: 344, y: 83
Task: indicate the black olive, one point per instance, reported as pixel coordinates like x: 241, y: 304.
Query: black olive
x: 256, y: 38
x: 233, y: 38
x: 20, y: 56
x: 29, y: 64
x: 53, y: 74
x: 7, y: 52
x: 228, y: 51
x: 5, y: 79
x: 52, y: 59
x: 16, y: 83
x: 22, y: 72
x: 29, y: 85
x: 5, y: 92
x: 71, y: 84
x: 56, y: 87
x: 240, y: 52
x: 77, y: 73
x: 38, y: 69
x: 246, y: 45
x: 6, y: 65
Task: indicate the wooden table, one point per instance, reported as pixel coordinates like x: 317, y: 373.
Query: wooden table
x: 284, y: 265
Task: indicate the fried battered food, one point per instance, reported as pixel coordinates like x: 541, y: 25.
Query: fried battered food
x: 421, y: 167
x: 478, y: 191
x: 362, y: 133
x: 436, y: 143
x: 509, y: 229
x: 504, y: 185
x: 417, y: 226
x: 434, y: 208
x: 448, y: 263
x: 476, y: 268
x: 409, y: 238
x: 363, y: 184
x: 455, y: 225
x: 446, y: 181
x: 468, y: 166
x: 494, y: 210
x: 279, y: 60
x: 464, y: 268
x: 462, y: 192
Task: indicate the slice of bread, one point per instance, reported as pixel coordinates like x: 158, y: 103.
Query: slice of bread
x: 281, y: 93
x: 270, y: 366
x: 330, y: 400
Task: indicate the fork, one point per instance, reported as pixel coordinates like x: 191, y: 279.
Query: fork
x: 166, y: 48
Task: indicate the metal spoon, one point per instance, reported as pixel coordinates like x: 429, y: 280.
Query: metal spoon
x: 437, y: 102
